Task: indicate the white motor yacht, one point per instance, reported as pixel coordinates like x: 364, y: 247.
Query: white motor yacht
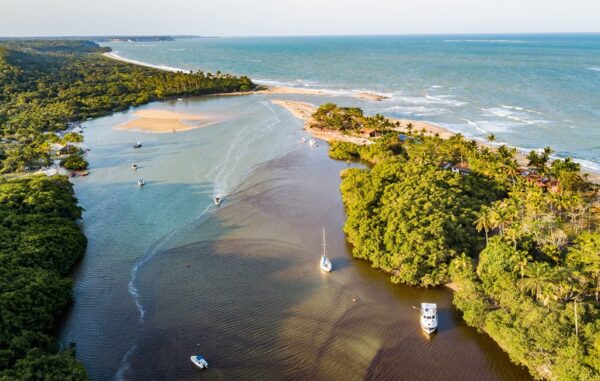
x: 429, y: 320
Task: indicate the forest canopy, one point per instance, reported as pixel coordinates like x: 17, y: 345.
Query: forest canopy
x: 40, y: 242
x: 46, y: 84
x: 519, y: 240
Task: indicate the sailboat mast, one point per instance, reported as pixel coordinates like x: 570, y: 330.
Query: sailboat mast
x: 324, y: 254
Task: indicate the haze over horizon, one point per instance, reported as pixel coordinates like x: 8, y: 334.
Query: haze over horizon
x: 295, y: 17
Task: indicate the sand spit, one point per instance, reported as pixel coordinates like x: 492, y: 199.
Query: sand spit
x: 162, y: 121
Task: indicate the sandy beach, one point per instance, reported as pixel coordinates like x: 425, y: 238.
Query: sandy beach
x: 265, y: 89
x: 270, y: 89
x: 114, y: 56
x: 162, y: 121
x: 304, y: 111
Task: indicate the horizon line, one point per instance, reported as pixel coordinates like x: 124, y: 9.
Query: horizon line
x: 91, y: 36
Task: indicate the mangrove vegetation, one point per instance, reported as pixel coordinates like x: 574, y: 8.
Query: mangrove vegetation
x: 518, y: 238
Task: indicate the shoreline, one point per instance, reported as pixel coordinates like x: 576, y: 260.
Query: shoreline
x: 265, y: 88
x: 304, y: 110
x: 430, y: 128
x: 114, y: 56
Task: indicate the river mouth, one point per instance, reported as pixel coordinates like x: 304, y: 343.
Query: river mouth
x: 241, y: 284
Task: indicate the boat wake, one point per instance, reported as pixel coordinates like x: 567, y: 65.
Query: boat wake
x: 226, y: 178
x: 238, y: 148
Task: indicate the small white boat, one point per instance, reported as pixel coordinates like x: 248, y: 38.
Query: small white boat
x: 137, y: 145
x: 141, y: 182
x: 312, y: 143
x: 303, y: 140
x: 199, y: 361
x: 134, y: 166
x: 325, y: 263
x: 218, y: 201
x: 429, y: 321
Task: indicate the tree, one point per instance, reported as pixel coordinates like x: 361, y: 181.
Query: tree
x: 538, y: 275
x: 484, y: 221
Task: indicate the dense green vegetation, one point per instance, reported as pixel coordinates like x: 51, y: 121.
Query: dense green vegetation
x: 348, y: 119
x: 74, y: 162
x: 39, y: 244
x: 522, y: 247
x: 46, y: 84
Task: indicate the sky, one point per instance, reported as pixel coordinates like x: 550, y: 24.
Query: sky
x: 294, y: 17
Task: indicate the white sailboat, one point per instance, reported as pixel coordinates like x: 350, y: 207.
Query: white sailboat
x: 218, y: 200
x: 429, y: 321
x: 325, y: 263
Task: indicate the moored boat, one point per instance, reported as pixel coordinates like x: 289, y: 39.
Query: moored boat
x: 218, y: 201
x: 141, y: 182
x: 199, y: 361
x: 429, y: 321
x: 137, y: 145
x: 325, y: 263
x: 134, y: 166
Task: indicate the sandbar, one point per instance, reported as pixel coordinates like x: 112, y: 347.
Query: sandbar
x: 163, y: 121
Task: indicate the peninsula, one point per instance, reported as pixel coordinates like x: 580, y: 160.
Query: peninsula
x: 520, y: 244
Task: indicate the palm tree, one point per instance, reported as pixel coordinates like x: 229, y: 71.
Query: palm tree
x: 505, y: 153
x: 521, y: 259
x: 484, y: 221
x: 491, y: 138
x: 538, y: 276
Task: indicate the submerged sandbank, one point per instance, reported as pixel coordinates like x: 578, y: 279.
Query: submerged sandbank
x: 162, y: 121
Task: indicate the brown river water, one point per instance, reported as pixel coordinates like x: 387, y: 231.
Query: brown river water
x: 242, y: 285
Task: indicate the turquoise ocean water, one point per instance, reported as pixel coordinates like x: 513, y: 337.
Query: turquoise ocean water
x: 531, y: 91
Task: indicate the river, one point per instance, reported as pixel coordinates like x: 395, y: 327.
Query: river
x: 167, y: 274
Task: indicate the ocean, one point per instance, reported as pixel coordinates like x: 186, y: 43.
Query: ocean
x: 531, y: 91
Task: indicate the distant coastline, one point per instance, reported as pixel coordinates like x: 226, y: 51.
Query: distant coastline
x: 430, y: 128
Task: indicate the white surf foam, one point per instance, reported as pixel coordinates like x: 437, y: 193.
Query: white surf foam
x: 512, y: 113
x: 593, y: 68
x: 417, y: 111
x: 477, y: 127
x: 492, y: 41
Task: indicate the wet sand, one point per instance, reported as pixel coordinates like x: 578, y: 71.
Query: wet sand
x: 162, y: 121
